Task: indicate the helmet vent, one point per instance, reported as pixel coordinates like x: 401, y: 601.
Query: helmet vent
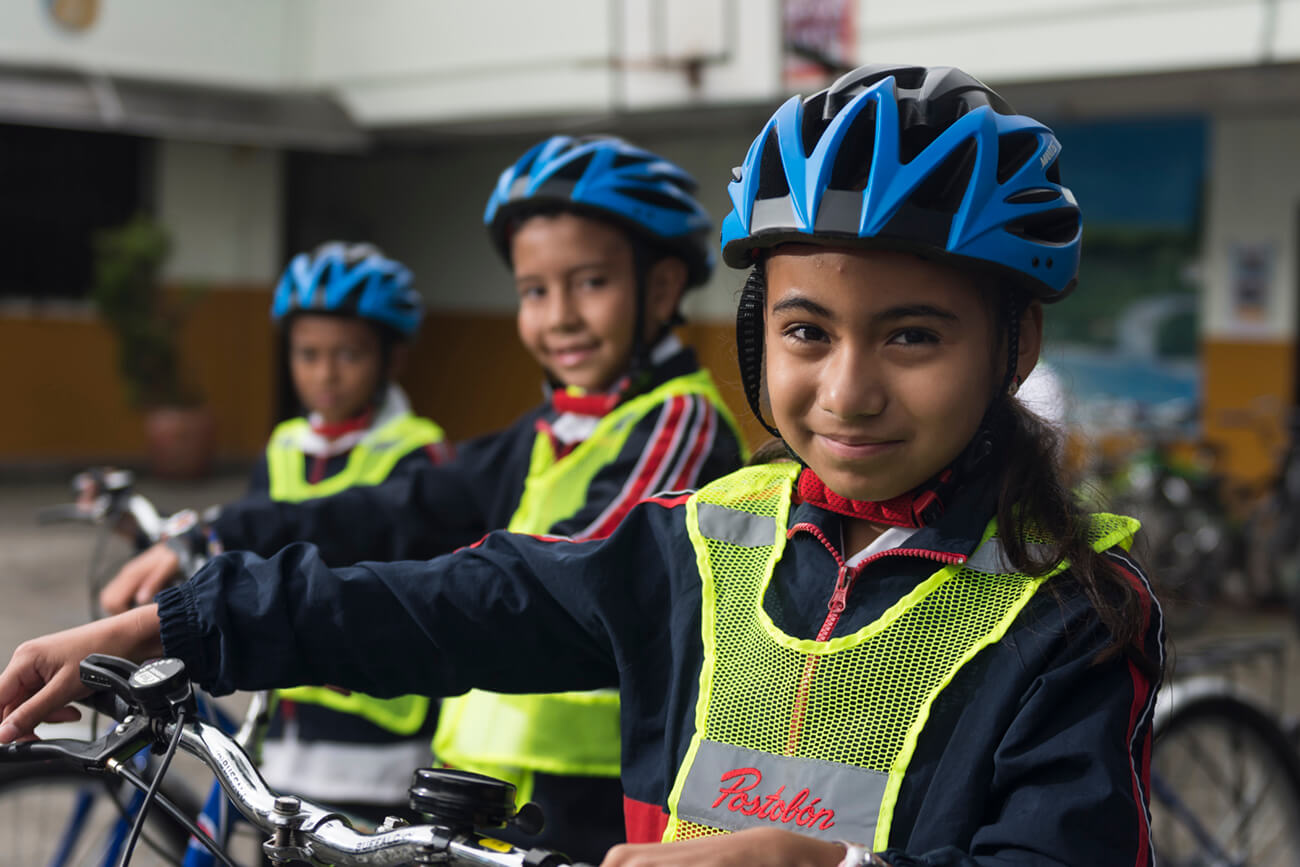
x: 1014, y: 150
x: 624, y: 160
x: 852, y: 167
x: 814, y: 122
x: 573, y: 171
x: 1054, y: 171
x: 1057, y: 226
x: 943, y: 190
x: 909, y: 77
x: 772, y: 183
x: 655, y: 198
x: 1033, y: 197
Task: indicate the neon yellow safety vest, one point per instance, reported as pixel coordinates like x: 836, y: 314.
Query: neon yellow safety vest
x: 816, y: 736
x: 369, y: 463
x: 573, y: 733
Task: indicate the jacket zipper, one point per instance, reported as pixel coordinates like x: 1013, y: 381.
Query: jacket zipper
x: 844, y: 579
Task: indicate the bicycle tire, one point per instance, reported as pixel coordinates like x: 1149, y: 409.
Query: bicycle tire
x: 1225, y: 786
x: 37, y: 802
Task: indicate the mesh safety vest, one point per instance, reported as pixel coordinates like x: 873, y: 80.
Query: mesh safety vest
x: 369, y: 463
x: 816, y: 736
x: 573, y: 733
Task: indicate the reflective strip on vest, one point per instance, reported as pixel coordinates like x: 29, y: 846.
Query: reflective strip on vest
x: 572, y: 733
x: 816, y: 736
x: 369, y: 463
x: 403, y: 715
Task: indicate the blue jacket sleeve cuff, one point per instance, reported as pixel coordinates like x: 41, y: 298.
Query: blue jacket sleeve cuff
x: 178, y: 620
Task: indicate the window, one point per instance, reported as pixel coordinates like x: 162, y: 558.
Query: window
x: 57, y: 187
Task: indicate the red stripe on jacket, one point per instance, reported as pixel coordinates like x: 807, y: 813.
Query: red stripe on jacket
x: 651, y: 469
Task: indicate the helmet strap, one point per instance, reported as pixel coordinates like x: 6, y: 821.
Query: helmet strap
x: 749, y: 343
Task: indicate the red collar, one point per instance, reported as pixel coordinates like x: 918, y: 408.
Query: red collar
x: 916, y: 508
x: 347, y: 426
x: 597, y: 403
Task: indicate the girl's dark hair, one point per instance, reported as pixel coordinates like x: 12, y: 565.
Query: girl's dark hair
x: 1034, y: 499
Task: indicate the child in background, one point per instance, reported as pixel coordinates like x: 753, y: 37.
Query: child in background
x: 346, y: 314
x: 907, y: 646
x: 603, y: 238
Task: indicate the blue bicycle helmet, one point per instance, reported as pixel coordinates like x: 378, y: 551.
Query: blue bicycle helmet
x: 350, y: 280
x: 928, y: 160
x: 610, y: 179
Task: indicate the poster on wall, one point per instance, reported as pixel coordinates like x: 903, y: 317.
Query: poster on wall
x: 1251, y: 270
x: 819, y: 41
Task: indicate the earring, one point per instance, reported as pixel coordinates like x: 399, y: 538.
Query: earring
x: 1014, y: 386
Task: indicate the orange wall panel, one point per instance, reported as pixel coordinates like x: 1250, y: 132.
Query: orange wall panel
x: 467, y: 371
x: 1247, y: 387
x: 66, y: 402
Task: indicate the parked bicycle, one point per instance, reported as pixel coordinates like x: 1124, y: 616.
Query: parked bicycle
x: 154, y: 704
x: 1225, y: 776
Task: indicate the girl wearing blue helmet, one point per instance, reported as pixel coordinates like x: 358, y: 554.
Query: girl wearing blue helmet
x: 902, y: 642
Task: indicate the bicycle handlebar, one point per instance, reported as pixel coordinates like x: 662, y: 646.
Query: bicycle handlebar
x: 299, y: 829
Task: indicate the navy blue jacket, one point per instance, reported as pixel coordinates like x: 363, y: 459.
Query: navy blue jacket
x: 1035, y: 753
x: 431, y: 510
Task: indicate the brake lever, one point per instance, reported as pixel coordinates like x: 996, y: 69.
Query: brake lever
x: 104, y: 673
x: 94, y: 757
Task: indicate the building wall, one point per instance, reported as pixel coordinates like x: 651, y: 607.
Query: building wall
x: 234, y: 42
x: 224, y: 207
x: 1249, y: 347
x: 404, y: 62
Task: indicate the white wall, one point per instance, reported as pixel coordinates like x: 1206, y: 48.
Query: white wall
x: 231, y: 42
x: 406, y: 62
x: 1043, y: 39
x: 1253, y: 199
x: 224, y: 207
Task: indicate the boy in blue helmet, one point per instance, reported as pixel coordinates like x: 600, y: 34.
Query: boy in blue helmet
x: 603, y: 238
x: 346, y: 314
x: 908, y: 646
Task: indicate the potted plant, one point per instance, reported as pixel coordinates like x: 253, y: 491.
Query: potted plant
x: 128, y: 293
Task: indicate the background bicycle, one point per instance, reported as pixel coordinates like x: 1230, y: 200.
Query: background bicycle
x: 46, y: 586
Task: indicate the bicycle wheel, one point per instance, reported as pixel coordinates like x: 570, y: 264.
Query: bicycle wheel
x: 57, y: 816
x: 1225, y: 787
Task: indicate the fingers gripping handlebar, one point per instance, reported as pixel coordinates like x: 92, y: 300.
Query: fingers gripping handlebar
x: 148, y: 700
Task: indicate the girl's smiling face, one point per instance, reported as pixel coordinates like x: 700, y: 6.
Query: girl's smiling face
x: 879, y: 364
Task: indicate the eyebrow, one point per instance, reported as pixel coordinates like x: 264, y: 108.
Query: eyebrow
x: 585, y: 266
x: 903, y: 311
x: 915, y: 311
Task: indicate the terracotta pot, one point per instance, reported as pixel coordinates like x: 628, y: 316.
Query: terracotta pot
x: 181, y: 441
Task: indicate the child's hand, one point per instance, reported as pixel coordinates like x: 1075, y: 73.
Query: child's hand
x: 141, y: 579
x: 756, y: 847
x: 42, y: 677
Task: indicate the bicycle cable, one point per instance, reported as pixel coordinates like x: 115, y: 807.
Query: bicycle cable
x: 138, y: 825
x: 182, y: 818
x: 140, y: 783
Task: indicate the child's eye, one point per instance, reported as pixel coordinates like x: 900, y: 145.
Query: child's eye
x: 595, y: 281
x: 913, y: 337
x: 528, y: 293
x: 803, y: 333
